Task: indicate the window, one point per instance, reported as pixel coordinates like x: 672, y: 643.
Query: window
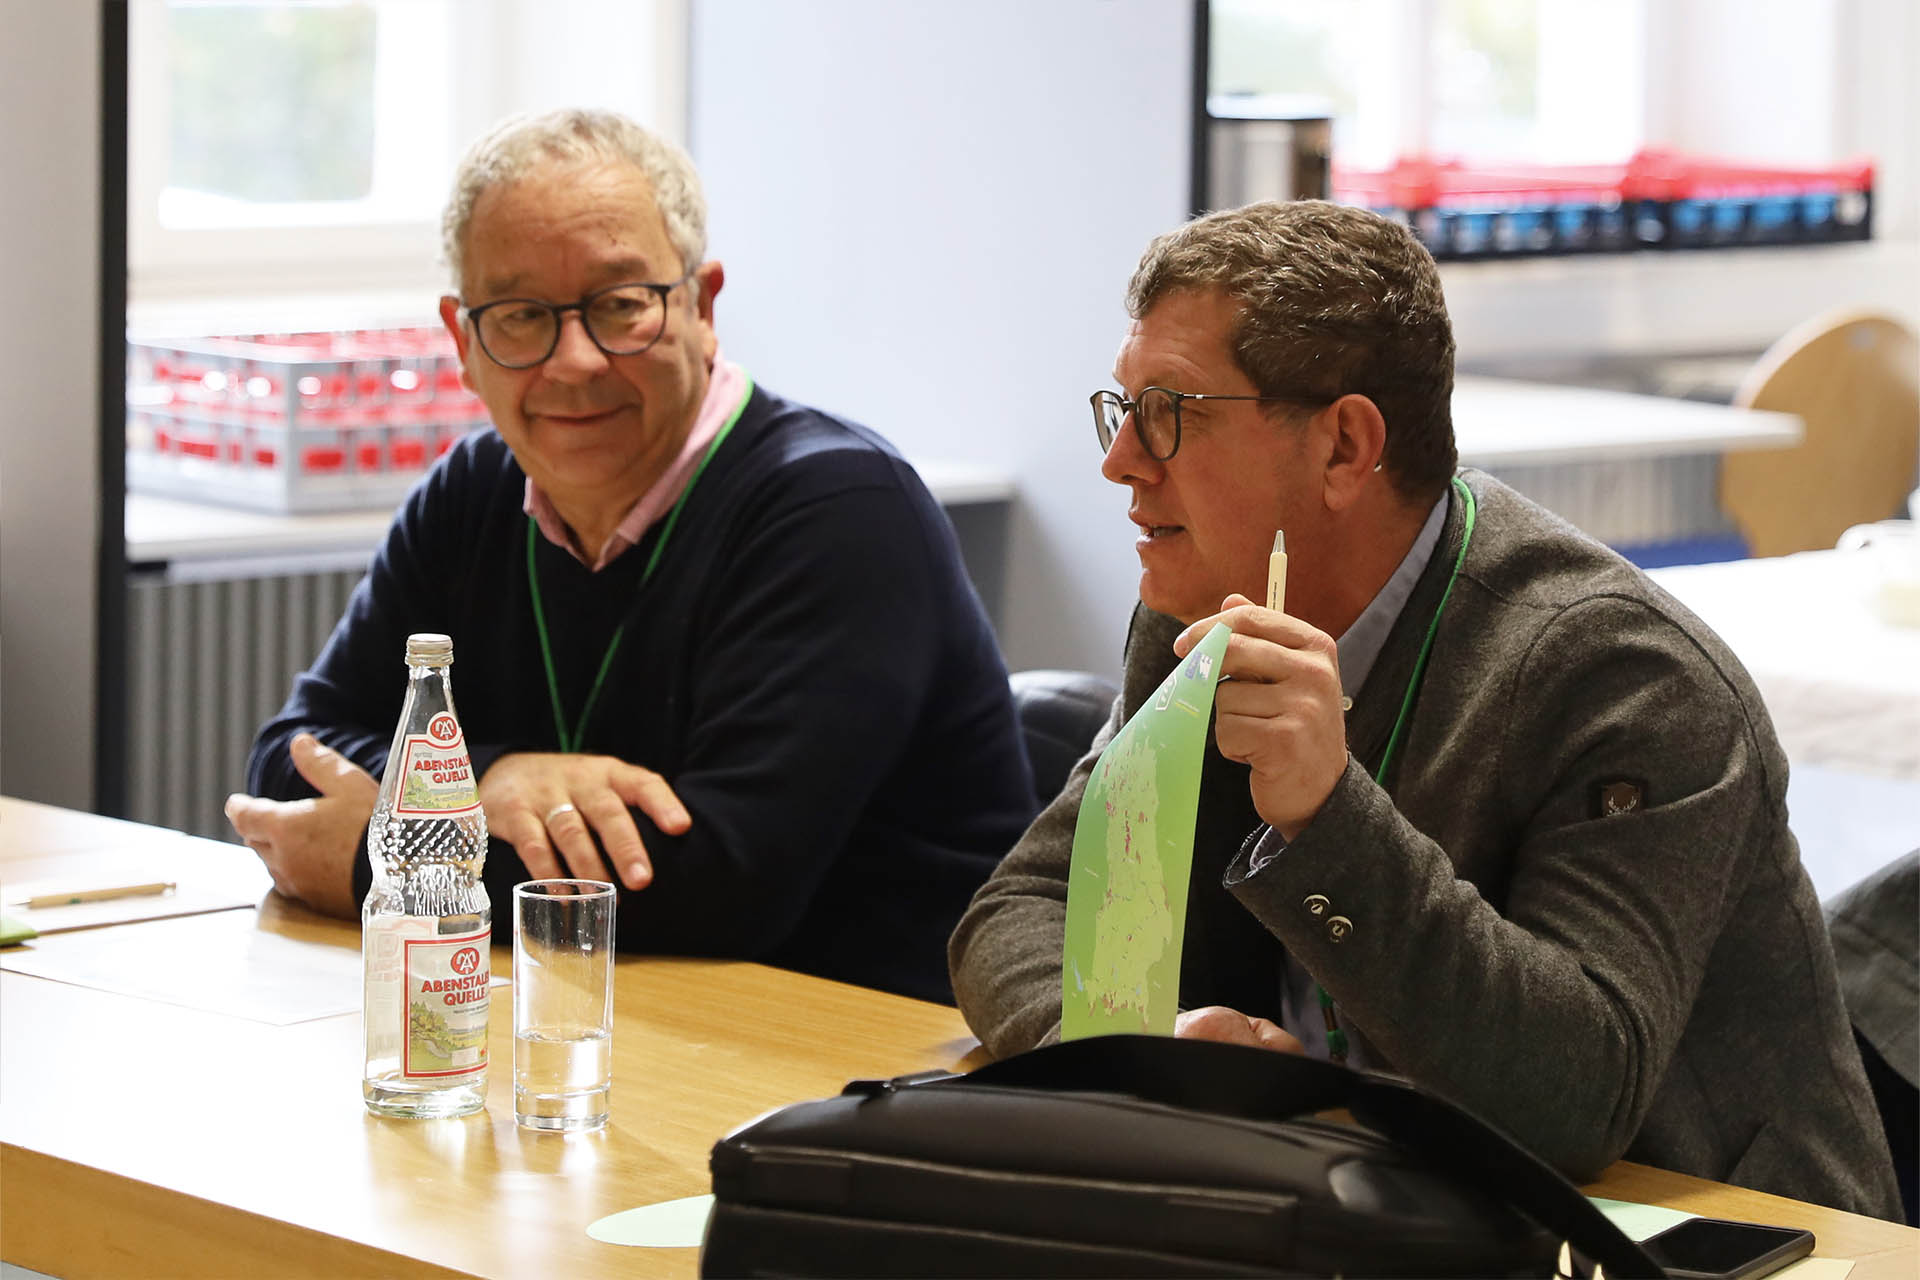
x: 306, y: 146
x: 1486, y: 76
x: 1535, y: 80
x: 1300, y: 47
x: 1794, y: 82
x: 304, y: 114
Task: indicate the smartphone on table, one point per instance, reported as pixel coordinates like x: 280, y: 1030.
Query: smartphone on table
x: 1721, y: 1249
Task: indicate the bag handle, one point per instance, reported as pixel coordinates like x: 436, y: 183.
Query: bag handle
x: 1260, y: 1084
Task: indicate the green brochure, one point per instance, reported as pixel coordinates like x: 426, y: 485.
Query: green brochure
x: 1132, y: 854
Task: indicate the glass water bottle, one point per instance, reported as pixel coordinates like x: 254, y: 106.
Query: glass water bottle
x: 426, y: 923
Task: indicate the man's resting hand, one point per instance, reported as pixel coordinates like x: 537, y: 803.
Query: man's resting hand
x: 552, y: 806
x: 309, y: 845
x: 1230, y: 1026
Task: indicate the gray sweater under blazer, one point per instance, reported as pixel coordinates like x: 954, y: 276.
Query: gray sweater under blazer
x: 1655, y: 984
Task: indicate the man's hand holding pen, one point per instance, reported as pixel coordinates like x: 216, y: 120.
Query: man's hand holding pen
x: 1280, y: 712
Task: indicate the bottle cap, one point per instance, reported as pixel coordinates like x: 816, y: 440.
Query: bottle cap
x: 429, y: 649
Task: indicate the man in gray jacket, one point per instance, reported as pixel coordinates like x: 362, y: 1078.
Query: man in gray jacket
x: 1483, y: 806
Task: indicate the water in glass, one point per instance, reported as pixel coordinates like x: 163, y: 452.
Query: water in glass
x: 562, y: 1077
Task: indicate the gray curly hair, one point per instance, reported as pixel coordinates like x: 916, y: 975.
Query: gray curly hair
x: 1334, y: 301
x: 577, y: 135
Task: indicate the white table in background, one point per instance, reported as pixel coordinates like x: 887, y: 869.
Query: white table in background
x: 1842, y: 685
x: 1631, y: 470
x: 1505, y: 422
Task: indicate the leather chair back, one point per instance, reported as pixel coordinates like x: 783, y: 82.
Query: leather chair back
x: 1060, y: 712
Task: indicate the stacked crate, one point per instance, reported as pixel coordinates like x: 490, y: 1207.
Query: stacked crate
x: 1656, y: 200
x: 293, y: 422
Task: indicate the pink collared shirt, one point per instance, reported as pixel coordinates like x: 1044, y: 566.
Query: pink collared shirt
x: 724, y: 389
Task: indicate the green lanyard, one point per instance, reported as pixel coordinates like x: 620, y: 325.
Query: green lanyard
x: 570, y: 741
x: 1336, y: 1038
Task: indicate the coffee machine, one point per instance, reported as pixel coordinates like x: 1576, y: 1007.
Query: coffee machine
x: 1266, y: 146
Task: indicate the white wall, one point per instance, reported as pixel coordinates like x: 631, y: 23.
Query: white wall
x: 621, y: 54
x: 928, y: 213
x: 49, y: 433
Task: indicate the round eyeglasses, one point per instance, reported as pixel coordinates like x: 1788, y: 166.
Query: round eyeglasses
x: 621, y: 320
x: 1156, y: 416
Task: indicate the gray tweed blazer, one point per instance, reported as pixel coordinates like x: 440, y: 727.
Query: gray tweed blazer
x: 1576, y: 907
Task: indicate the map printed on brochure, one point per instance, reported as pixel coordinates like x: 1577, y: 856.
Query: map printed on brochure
x: 1132, y: 855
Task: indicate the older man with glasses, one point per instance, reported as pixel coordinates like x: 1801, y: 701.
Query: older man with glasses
x: 714, y: 645
x: 1481, y: 806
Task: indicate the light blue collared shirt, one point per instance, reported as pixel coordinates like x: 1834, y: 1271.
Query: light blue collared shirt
x: 1360, y: 644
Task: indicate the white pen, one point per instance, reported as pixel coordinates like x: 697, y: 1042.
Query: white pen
x: 152, y: 890
x: 1277, y: 573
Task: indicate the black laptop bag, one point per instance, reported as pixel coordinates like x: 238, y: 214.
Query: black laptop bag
x: 1142, y: 1156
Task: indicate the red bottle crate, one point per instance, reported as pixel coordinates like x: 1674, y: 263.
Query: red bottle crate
x: 1658, y: 199
x: 293, y: 422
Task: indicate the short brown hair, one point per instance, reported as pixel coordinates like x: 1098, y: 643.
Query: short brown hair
x: 1334, y: 301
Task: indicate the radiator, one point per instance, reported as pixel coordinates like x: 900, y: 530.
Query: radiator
x: 208, y: 662
x: 1629, y: 502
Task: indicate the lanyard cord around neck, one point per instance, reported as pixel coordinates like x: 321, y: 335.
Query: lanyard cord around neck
x: 570, y: 741
x: 1336, y: 1038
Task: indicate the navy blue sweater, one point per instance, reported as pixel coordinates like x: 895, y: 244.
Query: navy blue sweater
x: 808, y: 667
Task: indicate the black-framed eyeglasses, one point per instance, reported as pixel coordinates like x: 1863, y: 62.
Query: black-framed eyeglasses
x: 621, y: 320
x: 1156, y: 416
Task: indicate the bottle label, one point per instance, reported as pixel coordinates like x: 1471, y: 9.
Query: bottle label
x: 439, y: 777
x: 446, y: 1007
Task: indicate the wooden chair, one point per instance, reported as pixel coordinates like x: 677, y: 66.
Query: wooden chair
x: 1853, y: 376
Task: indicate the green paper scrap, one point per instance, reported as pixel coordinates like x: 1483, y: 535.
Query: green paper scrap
x: 1638, y: 1221
x: 670, y: 1224
x: 1811, y: 1268
x: 1132, y: 855
x: 13, y: 931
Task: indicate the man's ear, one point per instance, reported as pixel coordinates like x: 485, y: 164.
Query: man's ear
x: 450, y: 317
x: 1356, y: 436
x: 710, y: 275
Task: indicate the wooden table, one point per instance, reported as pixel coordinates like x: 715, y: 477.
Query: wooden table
x: 139, y: 1137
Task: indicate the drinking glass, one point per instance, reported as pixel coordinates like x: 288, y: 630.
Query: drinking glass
x: 562, y: 1003
x: 1891, y: 551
